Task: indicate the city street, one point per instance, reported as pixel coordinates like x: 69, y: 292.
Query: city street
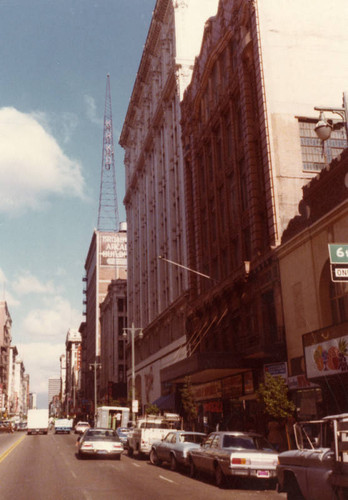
x: 46, y: 467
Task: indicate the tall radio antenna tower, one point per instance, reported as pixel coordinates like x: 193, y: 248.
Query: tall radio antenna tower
x: 108, y: 210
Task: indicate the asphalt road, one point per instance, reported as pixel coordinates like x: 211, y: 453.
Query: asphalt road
x: 47, y: 468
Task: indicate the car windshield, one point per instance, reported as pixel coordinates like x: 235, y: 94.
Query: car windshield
x: 246, y: 443
x: 101, y: 435
x: 192, y: 438
x: 155, y: 425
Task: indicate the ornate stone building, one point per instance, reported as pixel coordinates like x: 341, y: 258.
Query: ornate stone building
x: 248, y: 150
x: 113, y: 318
x: 151, y: 137
x: 213, y: 186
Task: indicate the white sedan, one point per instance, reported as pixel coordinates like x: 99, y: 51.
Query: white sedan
x: 99, y: 442
x: 80, y: 427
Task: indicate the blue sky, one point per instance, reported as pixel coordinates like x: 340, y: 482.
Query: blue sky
x: 54, y: 59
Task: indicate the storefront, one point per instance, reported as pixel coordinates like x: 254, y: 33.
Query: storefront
x: 326, y: 360
x: 227, y: 404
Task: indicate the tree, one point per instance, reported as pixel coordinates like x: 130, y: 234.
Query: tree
x: 152, y: 410
x: 188, y: 402
x: 274, y: 395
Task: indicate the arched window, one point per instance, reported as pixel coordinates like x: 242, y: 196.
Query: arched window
x: 339, y: 301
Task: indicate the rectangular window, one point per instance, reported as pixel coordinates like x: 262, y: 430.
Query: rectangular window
x: 121, y: 349
x: 316, y: 155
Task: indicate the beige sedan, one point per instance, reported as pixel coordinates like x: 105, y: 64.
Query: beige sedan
x: 231, y: 455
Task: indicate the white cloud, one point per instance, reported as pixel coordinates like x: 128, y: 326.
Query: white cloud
x: 91, y: 110
x: 41, y: 361
x: 32, y: 165
x: 28, y: 284
x: 61, y: 125
x: 52, y: 322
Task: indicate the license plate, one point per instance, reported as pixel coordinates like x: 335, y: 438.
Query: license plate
x: 101, y: 452
x: 262, y: 473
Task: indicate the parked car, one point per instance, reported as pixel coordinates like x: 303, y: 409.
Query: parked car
x: 6, y: 427
x: 99, y: 442
x: 22, y: 426
x: 123, y: 433
x: 231, y: 455
x: 80, y: 427
x: 174, y: 448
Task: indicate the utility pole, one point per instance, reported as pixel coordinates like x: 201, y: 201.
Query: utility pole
x: 95, y: 366
x: 132, y: 331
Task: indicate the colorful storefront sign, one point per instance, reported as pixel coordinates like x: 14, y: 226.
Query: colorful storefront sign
x: 327, y: 358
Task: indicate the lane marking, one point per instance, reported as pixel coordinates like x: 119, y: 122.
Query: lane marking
x: 136, y: 465
x: 166, y: 479
x: 7, y: 452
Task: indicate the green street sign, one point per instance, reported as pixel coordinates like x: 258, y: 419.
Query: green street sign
x: 338, y: 253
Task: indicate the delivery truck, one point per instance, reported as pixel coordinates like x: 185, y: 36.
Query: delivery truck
x: 111, y: 417
x: 63, y: 425
x: 37, y: 421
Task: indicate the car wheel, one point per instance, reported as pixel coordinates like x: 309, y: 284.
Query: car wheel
x: 220, y: 479
x: 118, y: 457
x: 294, y: 492
x: 193, y: 470
x: 154, y: 458
x: 173, y: 463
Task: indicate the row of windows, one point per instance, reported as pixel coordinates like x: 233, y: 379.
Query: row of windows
x: 218, y: 81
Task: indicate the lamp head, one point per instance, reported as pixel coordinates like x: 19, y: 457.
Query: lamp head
x: 124, y: 334
x: 323, y: 128
x: 141, y: 334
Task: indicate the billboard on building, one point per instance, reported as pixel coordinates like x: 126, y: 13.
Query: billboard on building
x: 113, y: 249
x: 327, y: 358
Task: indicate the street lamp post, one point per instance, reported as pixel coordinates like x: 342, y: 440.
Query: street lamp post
x: 132, y: 331
x: 95, y: 366
x: 323, y: 128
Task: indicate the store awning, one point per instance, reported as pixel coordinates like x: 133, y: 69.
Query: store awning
x: 165, y: 402
x: 204, y: 367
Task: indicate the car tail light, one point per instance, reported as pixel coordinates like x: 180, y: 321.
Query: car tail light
x: 85, y: 445
x: 240, y: 461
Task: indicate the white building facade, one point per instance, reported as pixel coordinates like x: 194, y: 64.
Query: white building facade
x: 154, y: 200
x: 17, y: 385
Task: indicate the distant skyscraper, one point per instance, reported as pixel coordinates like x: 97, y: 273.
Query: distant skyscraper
x: 53, y: 388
